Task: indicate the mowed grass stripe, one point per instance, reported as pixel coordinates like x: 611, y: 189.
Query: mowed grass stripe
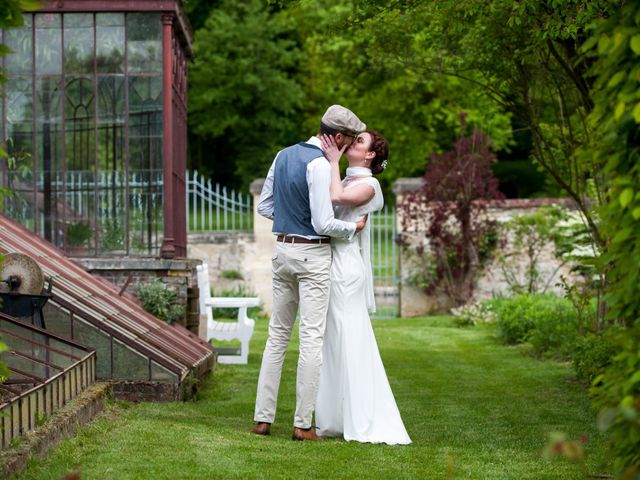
x: 474, y: 409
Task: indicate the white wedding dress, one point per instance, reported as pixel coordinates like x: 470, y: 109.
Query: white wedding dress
x: 354, y: 397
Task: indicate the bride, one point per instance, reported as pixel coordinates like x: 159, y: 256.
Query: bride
x: 354, y: 397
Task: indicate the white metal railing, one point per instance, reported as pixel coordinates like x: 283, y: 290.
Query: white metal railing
x: 79, y: 193
x: 117, y: 191
x: 213, y: 208
x: 384, y: 261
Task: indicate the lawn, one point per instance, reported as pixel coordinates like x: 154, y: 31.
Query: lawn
x: 474, y: 409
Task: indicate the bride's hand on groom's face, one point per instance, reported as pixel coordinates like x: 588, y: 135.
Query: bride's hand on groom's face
x: 330, y: 148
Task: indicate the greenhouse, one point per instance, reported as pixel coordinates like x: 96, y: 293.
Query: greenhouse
x: 94, y: 124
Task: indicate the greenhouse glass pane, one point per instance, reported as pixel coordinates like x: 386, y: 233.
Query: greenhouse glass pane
x: 19, y: 145
x: 27, y: 366
x: 145, y: 123
x: 88, y: 335
x: 112, y: 165
x: 110, y: 42
x: 161, y: 374
x: 57, y: 319
x: 144, y: 43
x: 19, y: 40
x: 145, y: 164
x: 48, y: 149
x: 128, y: 364
x: 146, y: 211
x: 111, y: 116
x: 79, y: 113
x: 78, y: 43
x: 48, y: 43
x: 67, y: 348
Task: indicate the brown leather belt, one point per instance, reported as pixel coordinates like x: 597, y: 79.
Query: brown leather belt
x: 291, y: 239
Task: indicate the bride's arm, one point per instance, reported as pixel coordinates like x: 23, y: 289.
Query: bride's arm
x: 353, y: 196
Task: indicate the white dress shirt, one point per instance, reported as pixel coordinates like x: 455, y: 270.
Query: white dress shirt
x: 319, y: 181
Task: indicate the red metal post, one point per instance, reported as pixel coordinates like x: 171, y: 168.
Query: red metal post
x: 168, y: 249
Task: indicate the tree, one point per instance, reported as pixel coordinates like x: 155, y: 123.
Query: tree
x: 243, y: 102
x: 531, y: 233
x: 456, y: 189
x: 416, y: 111
x: 526, y: 56
x: 335, y: 64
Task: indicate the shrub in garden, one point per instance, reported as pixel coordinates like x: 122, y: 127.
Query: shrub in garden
x: 514, y: 317
x: 159, y: 301
x: 456, y: 188
x: 547, y: 322
x: 591, y: 353
x: 555, y: 327
x: 530, y: 233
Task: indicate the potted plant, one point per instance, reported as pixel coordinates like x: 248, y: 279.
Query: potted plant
x: 76, y: 238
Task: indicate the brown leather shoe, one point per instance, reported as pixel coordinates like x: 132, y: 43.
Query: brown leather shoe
x: 262, y: 428
x: 301, y: 434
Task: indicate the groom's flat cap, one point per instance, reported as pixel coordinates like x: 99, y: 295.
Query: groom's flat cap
x: 342, y: 119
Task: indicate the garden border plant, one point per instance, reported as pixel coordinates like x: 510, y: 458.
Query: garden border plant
x: 158, y: 300
x: 456, y: 189
x: 531, y: 233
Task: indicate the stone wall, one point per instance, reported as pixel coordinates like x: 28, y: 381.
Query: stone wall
x: 247, y: 256
x: 492, y: 281
x: 63, y: 423
x: 127, y: 273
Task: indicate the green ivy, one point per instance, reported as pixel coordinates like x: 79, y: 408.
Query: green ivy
x: 616, y: 48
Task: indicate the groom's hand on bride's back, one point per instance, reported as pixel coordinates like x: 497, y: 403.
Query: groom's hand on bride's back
x: 361, y: 222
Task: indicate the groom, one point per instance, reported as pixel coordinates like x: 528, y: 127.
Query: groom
x: 296, y: 197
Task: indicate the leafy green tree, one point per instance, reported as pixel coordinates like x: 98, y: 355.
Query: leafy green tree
x: 198, y: 11
x: 244, y: 102
x: 530, y: 233
x: 417, y: 111
x: 616, y: 113
x: 526, y: 56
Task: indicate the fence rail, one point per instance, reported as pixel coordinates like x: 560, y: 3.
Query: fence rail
x: 76, y: 192
x: 384, y: 261
x: 211, y: 207
x: 47, y: 372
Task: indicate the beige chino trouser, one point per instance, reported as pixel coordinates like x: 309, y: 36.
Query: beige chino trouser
x: 300, y: 278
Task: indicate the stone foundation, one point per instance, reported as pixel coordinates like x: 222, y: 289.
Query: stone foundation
x: 127, y: 273
x: 64, y: 423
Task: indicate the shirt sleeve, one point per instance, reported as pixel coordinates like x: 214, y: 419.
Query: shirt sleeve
x: 265, y: 202
x: 322, y: 219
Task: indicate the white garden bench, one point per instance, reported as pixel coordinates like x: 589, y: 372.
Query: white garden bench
x: 241, y: 330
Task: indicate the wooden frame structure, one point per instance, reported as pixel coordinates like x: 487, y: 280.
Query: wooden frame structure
x: 47, y: 371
